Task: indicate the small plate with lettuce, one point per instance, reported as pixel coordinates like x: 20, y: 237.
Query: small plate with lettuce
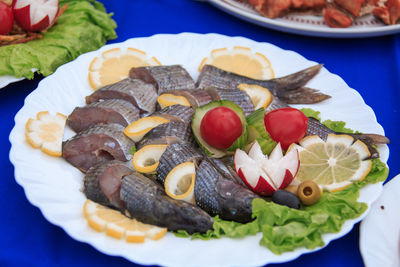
x: 84, y: 26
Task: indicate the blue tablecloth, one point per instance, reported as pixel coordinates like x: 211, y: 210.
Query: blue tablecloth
x: 369, y: 65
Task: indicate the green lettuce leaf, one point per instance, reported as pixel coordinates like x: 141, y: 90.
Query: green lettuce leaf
x: 84, y: 27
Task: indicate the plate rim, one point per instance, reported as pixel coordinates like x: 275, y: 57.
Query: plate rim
x: 300, y: 29
x: 294, y: 254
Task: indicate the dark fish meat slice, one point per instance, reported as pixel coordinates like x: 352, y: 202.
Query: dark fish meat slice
x: 223, y: 166
x: 220, y: 196
x: 164, y: 78
x: 137, y: 92
x: 174, y: 155
x: 237, y: 96
x: 147, y: 202
x: 98, y: 143
x: 196, y: 97
x: 176, y: 113
x: 290, y: 87
x: 167, y: 134
x: 315, y: 127
x: 108, y: 111
x: 102, y: 182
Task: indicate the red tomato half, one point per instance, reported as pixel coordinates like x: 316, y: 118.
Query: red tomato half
x: 220, y: 127
x: 286, y: 125
x: 6, y: 18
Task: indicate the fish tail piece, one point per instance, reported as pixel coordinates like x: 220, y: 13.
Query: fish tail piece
x: 297, y: 79
x: 303, y: 95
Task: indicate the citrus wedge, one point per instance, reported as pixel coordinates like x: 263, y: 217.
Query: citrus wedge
x: 113, y: 65
x: 179, y: 183
x: 242, y: 61
x: 334, y: 164
x: 260, y: 96
x: 166, y: 100
x: 146, y: 159
x: 116, y: 225
x: 46, y: 132
x: 137, y: 129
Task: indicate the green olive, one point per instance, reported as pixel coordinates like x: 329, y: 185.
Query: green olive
x: 308, y: 192
x: 292, y: 189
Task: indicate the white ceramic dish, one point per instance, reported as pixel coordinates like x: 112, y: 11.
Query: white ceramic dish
x: 366, y: 26
x: 55, y: 186
x: 380, y: 230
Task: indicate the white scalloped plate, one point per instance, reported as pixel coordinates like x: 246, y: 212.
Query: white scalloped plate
x: 380, y: 230
x: 55, y: 186
x: 366, y: 26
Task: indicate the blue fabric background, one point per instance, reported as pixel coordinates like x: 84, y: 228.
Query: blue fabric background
x: 369, y: 65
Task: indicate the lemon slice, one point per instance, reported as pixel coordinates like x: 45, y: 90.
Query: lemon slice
x: 113, y: 65
x: 46, y: 132
x: 116, y: 225
x: 334, y: 164
x: 146, y: 159
x: 179, y: 183
x: 137, y: 129
x: 242, y: 61
x: 260, y: 96
x: 166, y: 100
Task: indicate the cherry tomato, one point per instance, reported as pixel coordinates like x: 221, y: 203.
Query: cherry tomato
x: 220, y: 127
x: 6, y: 18
x: 286, y: 125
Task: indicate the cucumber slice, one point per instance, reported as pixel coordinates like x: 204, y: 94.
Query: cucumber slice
x: 256, y: 125
x: 196, y: 121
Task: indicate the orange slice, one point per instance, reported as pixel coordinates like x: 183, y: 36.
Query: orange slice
x: 137, y: 129
x: 114, y: 65
x: 46, y: 132
x: 146, y: 159
x: 334, y: 164
x: 260, y: 96
x: 242, y: 61
x: 179, y: 183
x: 166, y: 100
x: 116, y: 225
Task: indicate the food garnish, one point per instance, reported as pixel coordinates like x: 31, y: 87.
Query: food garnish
x: 146, y: 159
x: 284, y: 197
x: 334, y: 164
x: 166, y: 100
x: 179, y: 183
x: 286, y: 125
x: 220, y: 127
x: 240, y: 60
x: 265, y: 174
x: 6, y: 18
x: 309, y: 192
x: 260, y: 96
x: 211, y: 150
x: 46, y: 132
x: 35, y: 15
x: 137, y: 129
x: 116, y: 225
x: 114, y: 65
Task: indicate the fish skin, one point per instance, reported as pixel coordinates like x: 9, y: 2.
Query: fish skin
x: 176, y: 112
x: 102, y: 183
x: 220, y: 196
x: 223, y: 166
x: 108, y: 111
x: 137, y: 92
x: 289, y: 87
x: 98, y: 143
x: 164, y: 78
x: 167, y: 134
x: 239, y: 97
x: 147, y: 202
x: 174, y: 155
